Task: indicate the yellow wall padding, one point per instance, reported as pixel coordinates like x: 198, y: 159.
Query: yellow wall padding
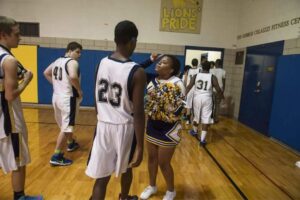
x: 27, y: 55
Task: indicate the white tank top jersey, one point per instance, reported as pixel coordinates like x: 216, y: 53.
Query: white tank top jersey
x: 191, y: 73
x: 113, y: 91
x: 60, y: 78
x: 11, y: 115
x: 203, y: 84
x: 220, y: 74
x: 174, y: 79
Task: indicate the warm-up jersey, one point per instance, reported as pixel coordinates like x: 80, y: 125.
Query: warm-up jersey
x: 113, y: 91
x: 203, y: 84
x: 60, y: 78
x: 191, y: 73
x: 11, y: 116
x: 220, y: 74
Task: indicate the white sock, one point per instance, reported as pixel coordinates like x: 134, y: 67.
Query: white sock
x: 203, y: 135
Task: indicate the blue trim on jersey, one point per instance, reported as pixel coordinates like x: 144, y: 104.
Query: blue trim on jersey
x: 1, y: 57
x: 21, y: 68
x: 6, y: 114
x: 72, y: 114
x: 15, y: 144
x: 67, y: 65
x: 74, y: 91
x: 129, y: 80
x: 120, y: 61
x: 6, y: 49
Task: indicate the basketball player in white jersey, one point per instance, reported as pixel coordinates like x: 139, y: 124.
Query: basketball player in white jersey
x: 220, y: 74
x: 189, y: 95
x: 203, y: 83
x: 64, y: 74
x: 119, y: 94
x: 14, y: 151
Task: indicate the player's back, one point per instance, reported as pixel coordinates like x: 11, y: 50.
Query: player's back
x: 203, y: 84
x: 60, y: 78
x: 113, y: 91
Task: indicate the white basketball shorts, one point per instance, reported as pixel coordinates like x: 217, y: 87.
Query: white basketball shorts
x: 14, y: 151
x: 112, y: 150
x: 202, y: 108
x: 65, y: 111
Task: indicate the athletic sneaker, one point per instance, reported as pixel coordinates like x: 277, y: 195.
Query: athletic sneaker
x: 134, y: 197
x: 60, y: 160
x: 169, y: 195
x: 202, y: 143
x: 31, y: 198
x: 72, y: 146
x: 192, y: 133
x: 148, y: 191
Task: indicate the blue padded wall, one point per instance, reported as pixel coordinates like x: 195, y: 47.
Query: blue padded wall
x: 284, y: 123
x: 88, y: 62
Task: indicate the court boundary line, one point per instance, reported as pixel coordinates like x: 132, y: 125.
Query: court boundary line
x: 259, y: 170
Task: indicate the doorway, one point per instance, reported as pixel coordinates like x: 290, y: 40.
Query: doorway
x: 258, y: 85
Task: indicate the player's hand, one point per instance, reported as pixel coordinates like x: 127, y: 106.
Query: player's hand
x: 80, y: 93
x: 155, y: 56
x: 137, y: 157
x: 28, y: 76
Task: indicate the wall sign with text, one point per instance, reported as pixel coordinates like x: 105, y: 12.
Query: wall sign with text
x: 271, y: 27
x: 182, y: 16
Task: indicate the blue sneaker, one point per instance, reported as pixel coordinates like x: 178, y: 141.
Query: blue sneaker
x: 72, y: 146
x: 192, y: 133
x: 60, y: 160
x: 202, y: 143
x: 31, y: 198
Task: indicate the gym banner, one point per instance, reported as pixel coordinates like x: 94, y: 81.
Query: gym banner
x: 182, y: 16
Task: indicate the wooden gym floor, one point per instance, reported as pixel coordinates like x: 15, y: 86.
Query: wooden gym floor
x: 237, y: 163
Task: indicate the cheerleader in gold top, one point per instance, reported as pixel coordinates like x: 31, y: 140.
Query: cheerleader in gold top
x: 165, y: 96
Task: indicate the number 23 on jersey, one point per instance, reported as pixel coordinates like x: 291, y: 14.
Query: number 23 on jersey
x: 109, y: 92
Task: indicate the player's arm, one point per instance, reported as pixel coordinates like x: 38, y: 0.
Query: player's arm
x: 48, y: 73
x: 191, y: 84
x: 185, y: 76
x: 217, y: 87
x: 74, y: 76
x: 138, y: 85
x: 11, y: 86
x: 153, y: 58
